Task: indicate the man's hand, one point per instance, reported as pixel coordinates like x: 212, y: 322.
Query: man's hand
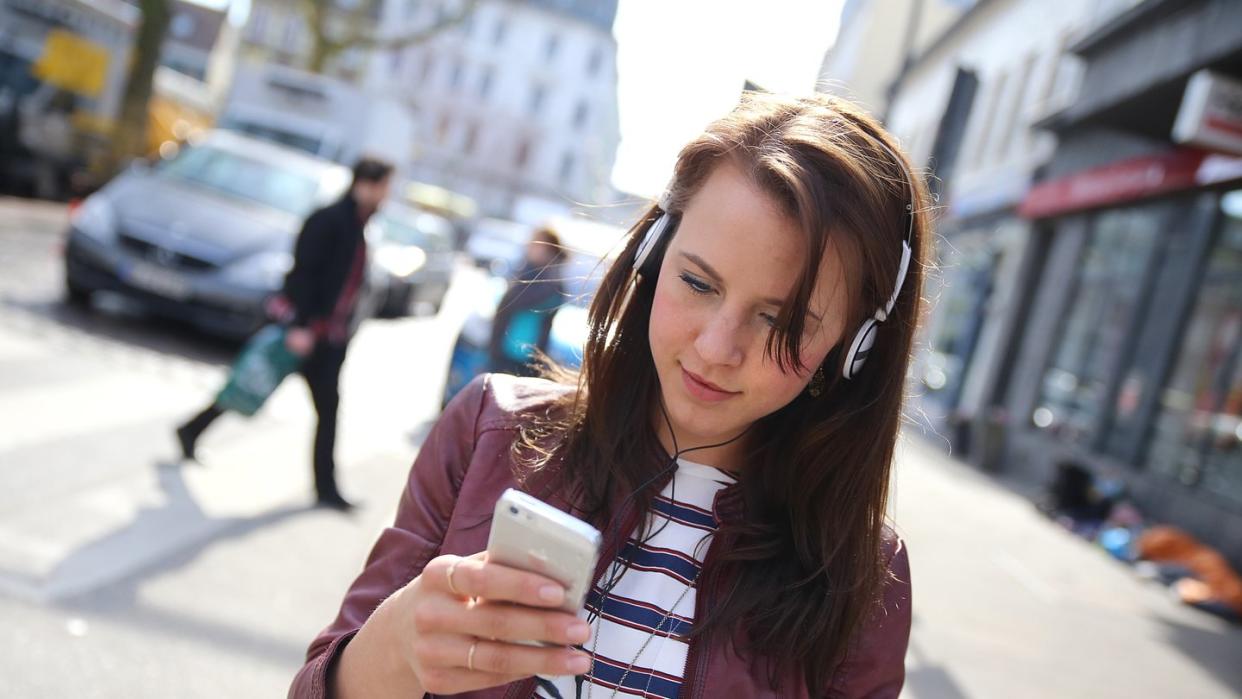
x: 300, y: 341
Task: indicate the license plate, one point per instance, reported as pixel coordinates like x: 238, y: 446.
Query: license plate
x: 157, y: 280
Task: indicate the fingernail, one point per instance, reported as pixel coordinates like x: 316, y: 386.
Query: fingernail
x: 579, y: 664
x: 551, y: 593
x: 578, y: 631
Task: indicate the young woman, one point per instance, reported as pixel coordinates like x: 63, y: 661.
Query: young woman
x: 724, y: 433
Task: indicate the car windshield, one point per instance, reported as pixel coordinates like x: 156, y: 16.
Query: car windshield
x: 244, y: 178
x: 425, y: 231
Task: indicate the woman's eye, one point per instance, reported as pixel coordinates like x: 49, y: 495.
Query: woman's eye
x: 769, y: 319
x: 696, y: 285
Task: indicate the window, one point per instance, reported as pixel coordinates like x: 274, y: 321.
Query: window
x: 522, y: 155
x: 1197, y: 436
x: 394, y: 63
x: 551, y: 46
x: 499, y: 30
x: 567, y: 166
x: 485, y: 81
x: 455, y: 76
x: 595, y: 60
x: 257, y: 30
x: 408, y: 61
x: 537, y: 95
x: 983, y: 132
x: 1013, y: 120
x: 411, y: 9
x: 580, y: 114
x: 1096, y: 326
x: 293, y: 28
x: 429, y: 66
x: 442, y: 129
x: 472, y: 135
x: 967, y: 287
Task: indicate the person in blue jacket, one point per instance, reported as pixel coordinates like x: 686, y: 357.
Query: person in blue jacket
x: 523, y: 321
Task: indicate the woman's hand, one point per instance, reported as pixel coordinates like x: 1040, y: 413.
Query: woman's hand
x: 300, y: 341
x: 456, y: 625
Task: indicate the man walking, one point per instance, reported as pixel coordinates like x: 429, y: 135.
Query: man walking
x: 317, y: 307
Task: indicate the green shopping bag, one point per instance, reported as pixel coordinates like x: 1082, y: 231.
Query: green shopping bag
x: 263, y: 363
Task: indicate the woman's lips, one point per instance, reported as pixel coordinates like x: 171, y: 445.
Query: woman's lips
x: 704, y: 390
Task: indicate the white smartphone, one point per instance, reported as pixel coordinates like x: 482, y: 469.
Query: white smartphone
x: 531, y: 535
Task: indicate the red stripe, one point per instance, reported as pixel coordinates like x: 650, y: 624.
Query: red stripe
x: 686, y: 505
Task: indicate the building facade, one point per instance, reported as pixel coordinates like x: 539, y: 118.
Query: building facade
x: 876, y: 40
x: 965, y: 108
x: 514, y: 106
x: 1131, y: 361
x: 1088, y: 301
x: 517, y: 105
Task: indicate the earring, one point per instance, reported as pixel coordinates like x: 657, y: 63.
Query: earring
x: 816, y: 387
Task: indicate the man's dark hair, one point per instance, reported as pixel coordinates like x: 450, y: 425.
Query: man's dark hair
x: 371, y: 170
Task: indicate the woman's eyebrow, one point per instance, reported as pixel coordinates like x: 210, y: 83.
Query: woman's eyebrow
x: 716, y: 278
x: 711, y: 272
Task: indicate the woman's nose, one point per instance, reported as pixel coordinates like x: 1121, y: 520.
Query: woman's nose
x: 719, y: 341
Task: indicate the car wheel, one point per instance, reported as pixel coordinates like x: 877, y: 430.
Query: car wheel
x: 437, y: 302
x: 76, y: 294
x: 396, y: 305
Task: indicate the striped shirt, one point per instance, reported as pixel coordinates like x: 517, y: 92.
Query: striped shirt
x: 655, y: 597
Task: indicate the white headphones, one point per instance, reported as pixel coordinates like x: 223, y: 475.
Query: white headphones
x: 864, y: 339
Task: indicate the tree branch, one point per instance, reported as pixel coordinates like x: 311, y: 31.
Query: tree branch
x: 372, y: 41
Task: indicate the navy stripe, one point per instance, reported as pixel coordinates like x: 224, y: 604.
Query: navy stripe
x: 683, y: 514
x: 660, y: 561
x: 637, y: 615
x: 641, y: 680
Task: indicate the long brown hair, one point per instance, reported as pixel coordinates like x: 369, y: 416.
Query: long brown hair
x: 804, y: 568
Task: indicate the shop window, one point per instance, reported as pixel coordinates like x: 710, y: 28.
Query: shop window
x: 1098, y: 324
x: 1197, y: 437
x: 968, y: 279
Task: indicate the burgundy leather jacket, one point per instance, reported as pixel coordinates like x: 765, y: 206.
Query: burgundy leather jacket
x: 461, y: 470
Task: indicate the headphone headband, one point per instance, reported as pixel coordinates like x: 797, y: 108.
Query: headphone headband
x: 864, y: 339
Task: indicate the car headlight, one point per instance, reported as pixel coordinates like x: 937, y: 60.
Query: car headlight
x: 262, y: 270
x: 400, y: 261
x: 96, y: 219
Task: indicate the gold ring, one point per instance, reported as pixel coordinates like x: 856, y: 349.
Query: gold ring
x: 453, y: 567
x: 470, y: 655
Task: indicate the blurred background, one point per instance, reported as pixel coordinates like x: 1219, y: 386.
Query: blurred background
x: 1070, y: 477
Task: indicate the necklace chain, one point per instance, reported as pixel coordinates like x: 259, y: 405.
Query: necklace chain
x: 595, y: 643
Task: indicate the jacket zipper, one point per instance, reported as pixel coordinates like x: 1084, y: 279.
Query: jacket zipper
x: 696, y: 658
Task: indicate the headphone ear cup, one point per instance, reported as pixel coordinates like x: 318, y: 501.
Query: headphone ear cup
x: 864, y: 340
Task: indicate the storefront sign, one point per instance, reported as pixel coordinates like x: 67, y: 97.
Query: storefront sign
x: 1127, y: 180
x: 1211, y: 113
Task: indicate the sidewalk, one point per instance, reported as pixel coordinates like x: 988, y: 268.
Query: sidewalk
x: 1007, y: 604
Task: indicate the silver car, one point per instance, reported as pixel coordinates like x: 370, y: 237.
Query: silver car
x: 414, y: 249
x: 206, y: 236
